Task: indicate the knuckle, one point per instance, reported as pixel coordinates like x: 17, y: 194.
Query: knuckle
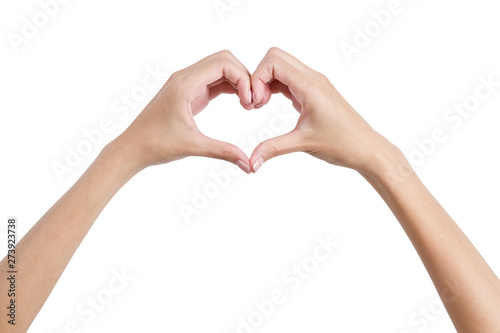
x: 314, y: 88
x: 317, y: 88
x: 273, y: 151
x: 225, y: 54
x: 178, y: 88
x: 308, y: 145
x: 225, y: 154
x: 177, y: 85
x: 274, y: 51
x: 175, y: 76
x: 224, y: 59
x: 322, y: 77
x: 273, y: 54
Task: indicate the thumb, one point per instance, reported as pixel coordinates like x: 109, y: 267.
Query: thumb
x: 224, y: 151
x: 280, y: 145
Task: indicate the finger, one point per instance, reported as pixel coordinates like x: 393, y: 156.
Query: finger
x: 265, y: 98
x: 281, y: 145
x: 281, y: 66
x: 201, y: 101
x: 222, y: 88
x: 220, y: 65
x: 277, y: 87
x: 246, y: 106
x: 227, y: 88
x: 224, y: 151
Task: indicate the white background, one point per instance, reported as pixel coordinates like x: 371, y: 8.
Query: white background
x: 202, y: 276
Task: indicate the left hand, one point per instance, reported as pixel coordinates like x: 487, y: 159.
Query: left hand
x: 166, y: 131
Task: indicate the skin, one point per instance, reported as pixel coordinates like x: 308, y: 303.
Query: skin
x: 328, y: 128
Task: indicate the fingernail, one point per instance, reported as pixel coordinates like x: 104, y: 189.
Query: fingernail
x: 249, y: 97
x: 258, y: 164
x: 243, y: 166
x: 253, y: 98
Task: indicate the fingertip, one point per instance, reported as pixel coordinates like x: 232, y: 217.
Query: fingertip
x: 257, y: 164
x: 244, y: 87
x: 244, y: 167
x: 258, y: 90
x: 257, y: 158
x: 246, y: 106
x: 267, y: 95
x: 224, y: 151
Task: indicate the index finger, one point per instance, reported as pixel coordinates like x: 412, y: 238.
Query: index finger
x: 219, y: 65
x: 281, y: 66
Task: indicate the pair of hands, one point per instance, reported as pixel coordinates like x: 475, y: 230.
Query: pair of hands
x: 328, y: 127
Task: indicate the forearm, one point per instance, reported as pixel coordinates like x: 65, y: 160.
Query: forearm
x: 46, y: 249
x: 164, y: 131
x: 467, y: 286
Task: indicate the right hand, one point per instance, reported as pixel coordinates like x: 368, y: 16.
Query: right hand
x: 328, y: 127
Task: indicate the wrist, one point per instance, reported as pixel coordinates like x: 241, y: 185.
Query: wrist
x: 386, y: 163
x: 125, y: 162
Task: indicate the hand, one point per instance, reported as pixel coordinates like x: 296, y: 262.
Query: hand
x: 328, y: 127
x: 166, y: 130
